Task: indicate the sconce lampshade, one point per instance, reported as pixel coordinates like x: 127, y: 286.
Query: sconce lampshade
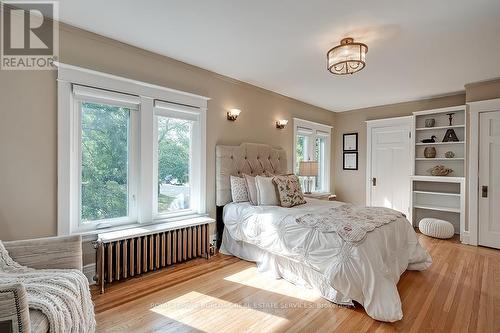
x: 308, y: 168
x: 233, y: 114
x: 281, y: 123
x: 347, y: 58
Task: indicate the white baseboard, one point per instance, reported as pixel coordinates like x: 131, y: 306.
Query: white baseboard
x: 465, y: 237
x: 89, y: 271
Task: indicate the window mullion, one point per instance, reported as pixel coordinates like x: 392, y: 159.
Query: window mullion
x: 147, y: 179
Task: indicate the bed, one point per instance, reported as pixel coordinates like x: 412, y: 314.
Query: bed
x: 341, y: 270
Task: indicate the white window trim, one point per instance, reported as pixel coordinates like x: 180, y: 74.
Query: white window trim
x: 68, y: 209
x: 316, y: 130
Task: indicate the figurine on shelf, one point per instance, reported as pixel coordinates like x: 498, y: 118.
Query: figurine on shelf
x: 431, y: 140
x: 450, y: 117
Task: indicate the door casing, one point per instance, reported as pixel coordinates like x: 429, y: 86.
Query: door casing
x: 475, y: 108
x: 486, y: 236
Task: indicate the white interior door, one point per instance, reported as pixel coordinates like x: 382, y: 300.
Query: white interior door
x: 489, y: 179
x: 390, y: 166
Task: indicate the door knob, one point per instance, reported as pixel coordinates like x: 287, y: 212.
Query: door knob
x: 374, y: 181
x: 484, y: 190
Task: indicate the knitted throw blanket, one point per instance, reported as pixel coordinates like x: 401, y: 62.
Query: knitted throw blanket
x: 62, y: 295
x: 350, y: 222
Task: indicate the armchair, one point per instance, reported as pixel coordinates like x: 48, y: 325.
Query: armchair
x: 42, y: 253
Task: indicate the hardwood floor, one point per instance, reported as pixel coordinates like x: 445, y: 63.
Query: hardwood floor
x: 459, y: 293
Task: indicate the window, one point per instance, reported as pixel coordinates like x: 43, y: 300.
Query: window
x: 312, y: 142
x: 177, y: 159
x: 105, y: 174
x: 174, y: 156
x: 127, y: 157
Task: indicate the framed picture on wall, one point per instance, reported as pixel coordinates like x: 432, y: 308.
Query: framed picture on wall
x: 350, y: 161
x: 350, y: 142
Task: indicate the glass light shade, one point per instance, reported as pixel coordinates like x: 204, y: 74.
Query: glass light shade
x: 281, y: 123
x: 308, y: 168
x: 347, y: 58
x: 233, y: 114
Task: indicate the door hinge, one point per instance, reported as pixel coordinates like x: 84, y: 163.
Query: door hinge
x: 409, y: 135
x: 374, y: 181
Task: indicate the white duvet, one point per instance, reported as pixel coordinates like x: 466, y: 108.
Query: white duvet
x: 366, y: 272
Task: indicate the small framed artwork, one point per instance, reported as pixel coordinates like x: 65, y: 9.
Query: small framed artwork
x: 351, y: 161
x: 351, y: 142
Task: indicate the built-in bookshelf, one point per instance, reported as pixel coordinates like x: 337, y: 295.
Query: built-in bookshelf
x: 439, y: 196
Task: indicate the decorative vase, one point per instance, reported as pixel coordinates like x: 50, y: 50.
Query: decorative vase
x: 449, y: 154
x: 430, y: 152
x: 430, y: 122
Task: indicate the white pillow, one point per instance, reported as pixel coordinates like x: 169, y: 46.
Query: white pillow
x: 251, y: 189
x: 239, y: 189
x: 266, y: 191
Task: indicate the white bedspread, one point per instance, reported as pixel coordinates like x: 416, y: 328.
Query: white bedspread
x: 366, y: 272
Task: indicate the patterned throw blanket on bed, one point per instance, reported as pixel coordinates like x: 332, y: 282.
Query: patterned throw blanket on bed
x: 350, y: 222
x: 62, y: 295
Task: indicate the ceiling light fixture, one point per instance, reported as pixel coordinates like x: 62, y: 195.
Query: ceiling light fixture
x: 347, y: 58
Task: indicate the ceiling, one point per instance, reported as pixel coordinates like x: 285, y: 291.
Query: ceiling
x: 416, y: 49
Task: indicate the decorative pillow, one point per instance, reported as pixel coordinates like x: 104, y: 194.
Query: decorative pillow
x: 239, y: 189
x: 266, y: 191
x: 251, y: 189
x: 289, y: 191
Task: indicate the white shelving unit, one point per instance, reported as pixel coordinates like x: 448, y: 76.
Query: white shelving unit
x: 439, y: 196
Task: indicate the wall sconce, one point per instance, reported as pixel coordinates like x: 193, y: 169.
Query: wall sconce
x: 233, y: 114
x: 281, y: 123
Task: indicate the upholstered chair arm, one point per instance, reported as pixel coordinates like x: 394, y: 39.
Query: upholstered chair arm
x: 14, y: 312
x: 44, y: 253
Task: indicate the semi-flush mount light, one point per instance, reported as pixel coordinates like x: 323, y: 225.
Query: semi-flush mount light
x: 281, y: 123
x: 347, y: 58
x: 233, y: 114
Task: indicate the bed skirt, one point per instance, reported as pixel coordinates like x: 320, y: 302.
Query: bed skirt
x: 281, y: 267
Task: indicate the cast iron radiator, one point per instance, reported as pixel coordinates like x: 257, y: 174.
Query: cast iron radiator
x: 121, y: 257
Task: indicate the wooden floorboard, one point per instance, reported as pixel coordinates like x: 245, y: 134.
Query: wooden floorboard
x: 460, y: 292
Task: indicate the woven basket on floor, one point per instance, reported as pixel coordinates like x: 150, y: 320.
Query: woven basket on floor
x: 436, y: 228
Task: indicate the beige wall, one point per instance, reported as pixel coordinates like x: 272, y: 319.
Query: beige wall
x: 28, y: 122
x: 480, y: 91
x: 350, y: 185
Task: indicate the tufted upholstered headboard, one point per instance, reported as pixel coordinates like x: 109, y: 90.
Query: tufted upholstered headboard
x: 249, y: 158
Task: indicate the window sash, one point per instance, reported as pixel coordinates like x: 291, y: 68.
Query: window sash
x: 77, y: 224
x: 170, y: 110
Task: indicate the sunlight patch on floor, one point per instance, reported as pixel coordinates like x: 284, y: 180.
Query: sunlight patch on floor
x: 192, y: 307
x: 252, y: 278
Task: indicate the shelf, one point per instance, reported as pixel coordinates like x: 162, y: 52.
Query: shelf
x: 442, y: 179
x: 440, y: 159
x: 442, y: 209
x: 438, y: 127
x: 439, y: 143
x: 438, y: 193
